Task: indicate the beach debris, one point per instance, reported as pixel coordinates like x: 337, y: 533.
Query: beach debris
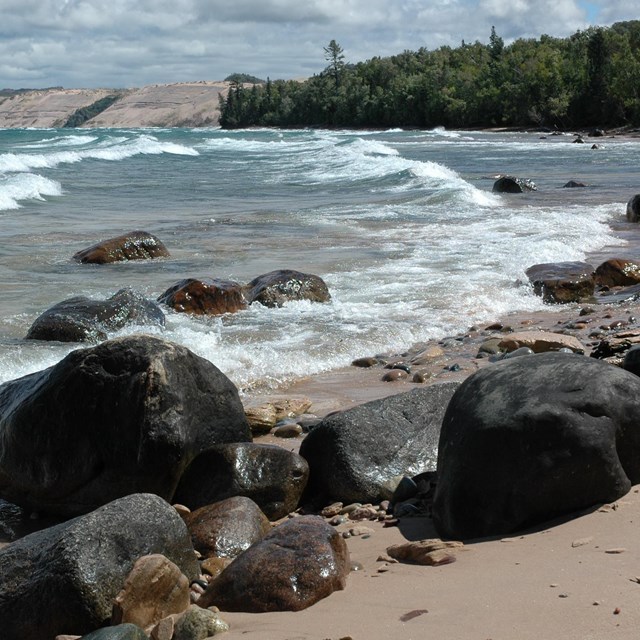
x: 410, y: 615
x: 431, y: 552
x: 81, y: 319
x: 616, y: 550
x: 581, y: 542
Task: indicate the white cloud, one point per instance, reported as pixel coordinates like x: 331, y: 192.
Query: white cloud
x: 136, y: 42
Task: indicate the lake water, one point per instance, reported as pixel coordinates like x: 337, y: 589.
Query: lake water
x: 402, y: 226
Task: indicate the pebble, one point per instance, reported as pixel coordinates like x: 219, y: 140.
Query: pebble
x: 394, y: 374
x: 356, y: 566
x: 350, y: 507
x: 365, y: 363
x: 364, y: 513
x: 336, y: 520
x: 292, y: 430
x: 581, y: 542
x: 332, y: 510
x: 616, y: 550
x: 361, y: 531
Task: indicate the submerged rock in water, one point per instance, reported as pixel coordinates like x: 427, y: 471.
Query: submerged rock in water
x: 206, y: 296
x: 81, y: 319
x: 561, y: 282
x: 275, y: 288
x: 512, y: 184
x: 123, y: 417
x: 618, y: 272
x: 137, y: 245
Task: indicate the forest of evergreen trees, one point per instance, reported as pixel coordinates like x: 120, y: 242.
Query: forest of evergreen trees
x: 590, y: 78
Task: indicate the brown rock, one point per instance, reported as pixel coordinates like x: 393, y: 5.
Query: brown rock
x: 300, y: 562
x: 206, y: 296
x: 275, y: 288
x: 560, y: 282
x: 618, y: 272
x: 154, y: 589
x: 137, y: 245
x: 541, y: 341
x: 226, y: 528
x: 394, y: 375
x: 365, y: 362
x: 432, y: 552
x: 214, y: 566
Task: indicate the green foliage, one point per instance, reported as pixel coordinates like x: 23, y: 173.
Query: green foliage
x: 243, y: 78
x: 80, y: 116
x: 590, y: 78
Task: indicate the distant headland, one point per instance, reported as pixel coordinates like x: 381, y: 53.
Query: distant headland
x: 183, y: 104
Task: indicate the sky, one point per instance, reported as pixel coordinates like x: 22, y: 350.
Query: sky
x: 132, y: 43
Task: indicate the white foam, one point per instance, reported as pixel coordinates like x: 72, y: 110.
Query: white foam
x: 26, y: 186
x: 119, y: 150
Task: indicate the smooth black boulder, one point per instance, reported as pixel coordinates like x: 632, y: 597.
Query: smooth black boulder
x: 62, y: 580
x: 271, y: 476
x: 80, y: 319
x: 530, y: 439
x: 353, y: 455
x: 123, y: 417
x: 633, y: 209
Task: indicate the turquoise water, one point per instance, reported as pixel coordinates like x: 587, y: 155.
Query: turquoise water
x: 402, y: 225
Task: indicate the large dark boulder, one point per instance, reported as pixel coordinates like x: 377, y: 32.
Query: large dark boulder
x: 137, y: 245
x: 354, y: 455
x: 298, y: 563
x: 633, y: 209
x: 271, y: 476
x: 227, y: 528
x: 123, y: 417
x: 560, y: 282
x: 81, y: 319
x: 63, y: 580
x: 206, y: 296
x: 530, y: 439
x: 512, y: 184
x: 275, y: 288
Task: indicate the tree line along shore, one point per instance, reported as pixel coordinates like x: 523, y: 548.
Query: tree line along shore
x: 589, y: 79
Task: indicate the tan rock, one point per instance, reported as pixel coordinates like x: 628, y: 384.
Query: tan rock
x: 541, y: 341
x: 214, y: 566
x: 431, y: 552
x: 154, y: 589
x: 291, y: 407
x: 261, y: 419
x: 428, y: 355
